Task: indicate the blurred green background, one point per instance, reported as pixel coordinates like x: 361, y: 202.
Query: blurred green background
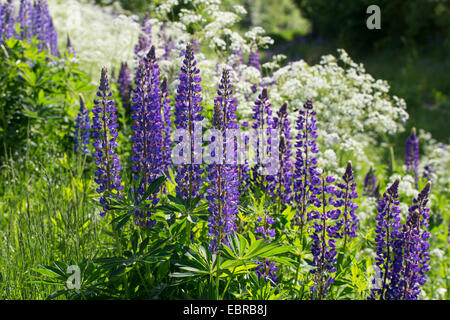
x: 410, y: 51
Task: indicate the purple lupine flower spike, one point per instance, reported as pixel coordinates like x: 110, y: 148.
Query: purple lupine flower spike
x: 263, y: 126
x: 412, y: 155
x: 104, y: 126
x: 9, y: 30
x: 370, y: 186
x: 22, y: 19
x: 144, y: 40
x: 167, y: 113
x: 82, y: 128
x: 306, y: 174
x: 2, y: 11
x: 325, y: 232
x: 345, y: 197
x: 283, y: 180
x: 253, y: 60
x: 70, y: 48
x: 388, y: 245
x: 266, y: 269
x: 147, y: 157
x: 223, y: 180
x: 124, y: 86
x: 415, y: 247
x: 188, y: 111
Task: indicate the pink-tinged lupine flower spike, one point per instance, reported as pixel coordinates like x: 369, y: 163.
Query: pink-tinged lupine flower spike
x: 104, y: 127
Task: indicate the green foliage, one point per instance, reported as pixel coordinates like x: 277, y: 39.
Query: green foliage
x: 37, y: 91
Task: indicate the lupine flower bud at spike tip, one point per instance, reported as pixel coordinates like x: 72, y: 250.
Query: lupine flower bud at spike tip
x: 188, y: 111
x: 124, y: 86
x: 412, y: 154
x: 82, y: 128
x: 147, y: 149
x: 306, y: 174
x: 283, y: 180
x: 104, y: 133
x: 263, y: 126
x: 325, y: 227
x: 388, y: 245
x: 266, y: 268
x: 345, y: 195
x: 222, y: 177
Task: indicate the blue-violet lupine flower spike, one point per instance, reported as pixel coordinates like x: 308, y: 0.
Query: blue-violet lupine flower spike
x: 187, y: 111
x: 104, y: 127
x: 388, y: 245
x: 284, y: 179
x: 325, y: 232
x: 345, y: 198
x: 147, y: 149
x: 167, y: 113
x: 415, y: 247
x: 70, y: 48
x: 263, y: 128
x: 412, y: 155
x: 266, y: 269
x: 82, y: 128
x: 306, y: 174
x: 124, y: 86
x: 222, y: 177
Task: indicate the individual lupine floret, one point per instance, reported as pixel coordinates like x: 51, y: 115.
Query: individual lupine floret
x: 284, y: 179
x: 104, y: 133
x: 82, y: 128
x: 325, y: 232
x: 263, y: 129
x: 345, y: 198
x: 125, y: 87
x: 222, y: 178
x: 388, y: 245
x: 306, y: 173
x: 415, y: 247
x: 188, y: 111
x: 266, y: 269
x: 147, y: 157
x: 412, y: 155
